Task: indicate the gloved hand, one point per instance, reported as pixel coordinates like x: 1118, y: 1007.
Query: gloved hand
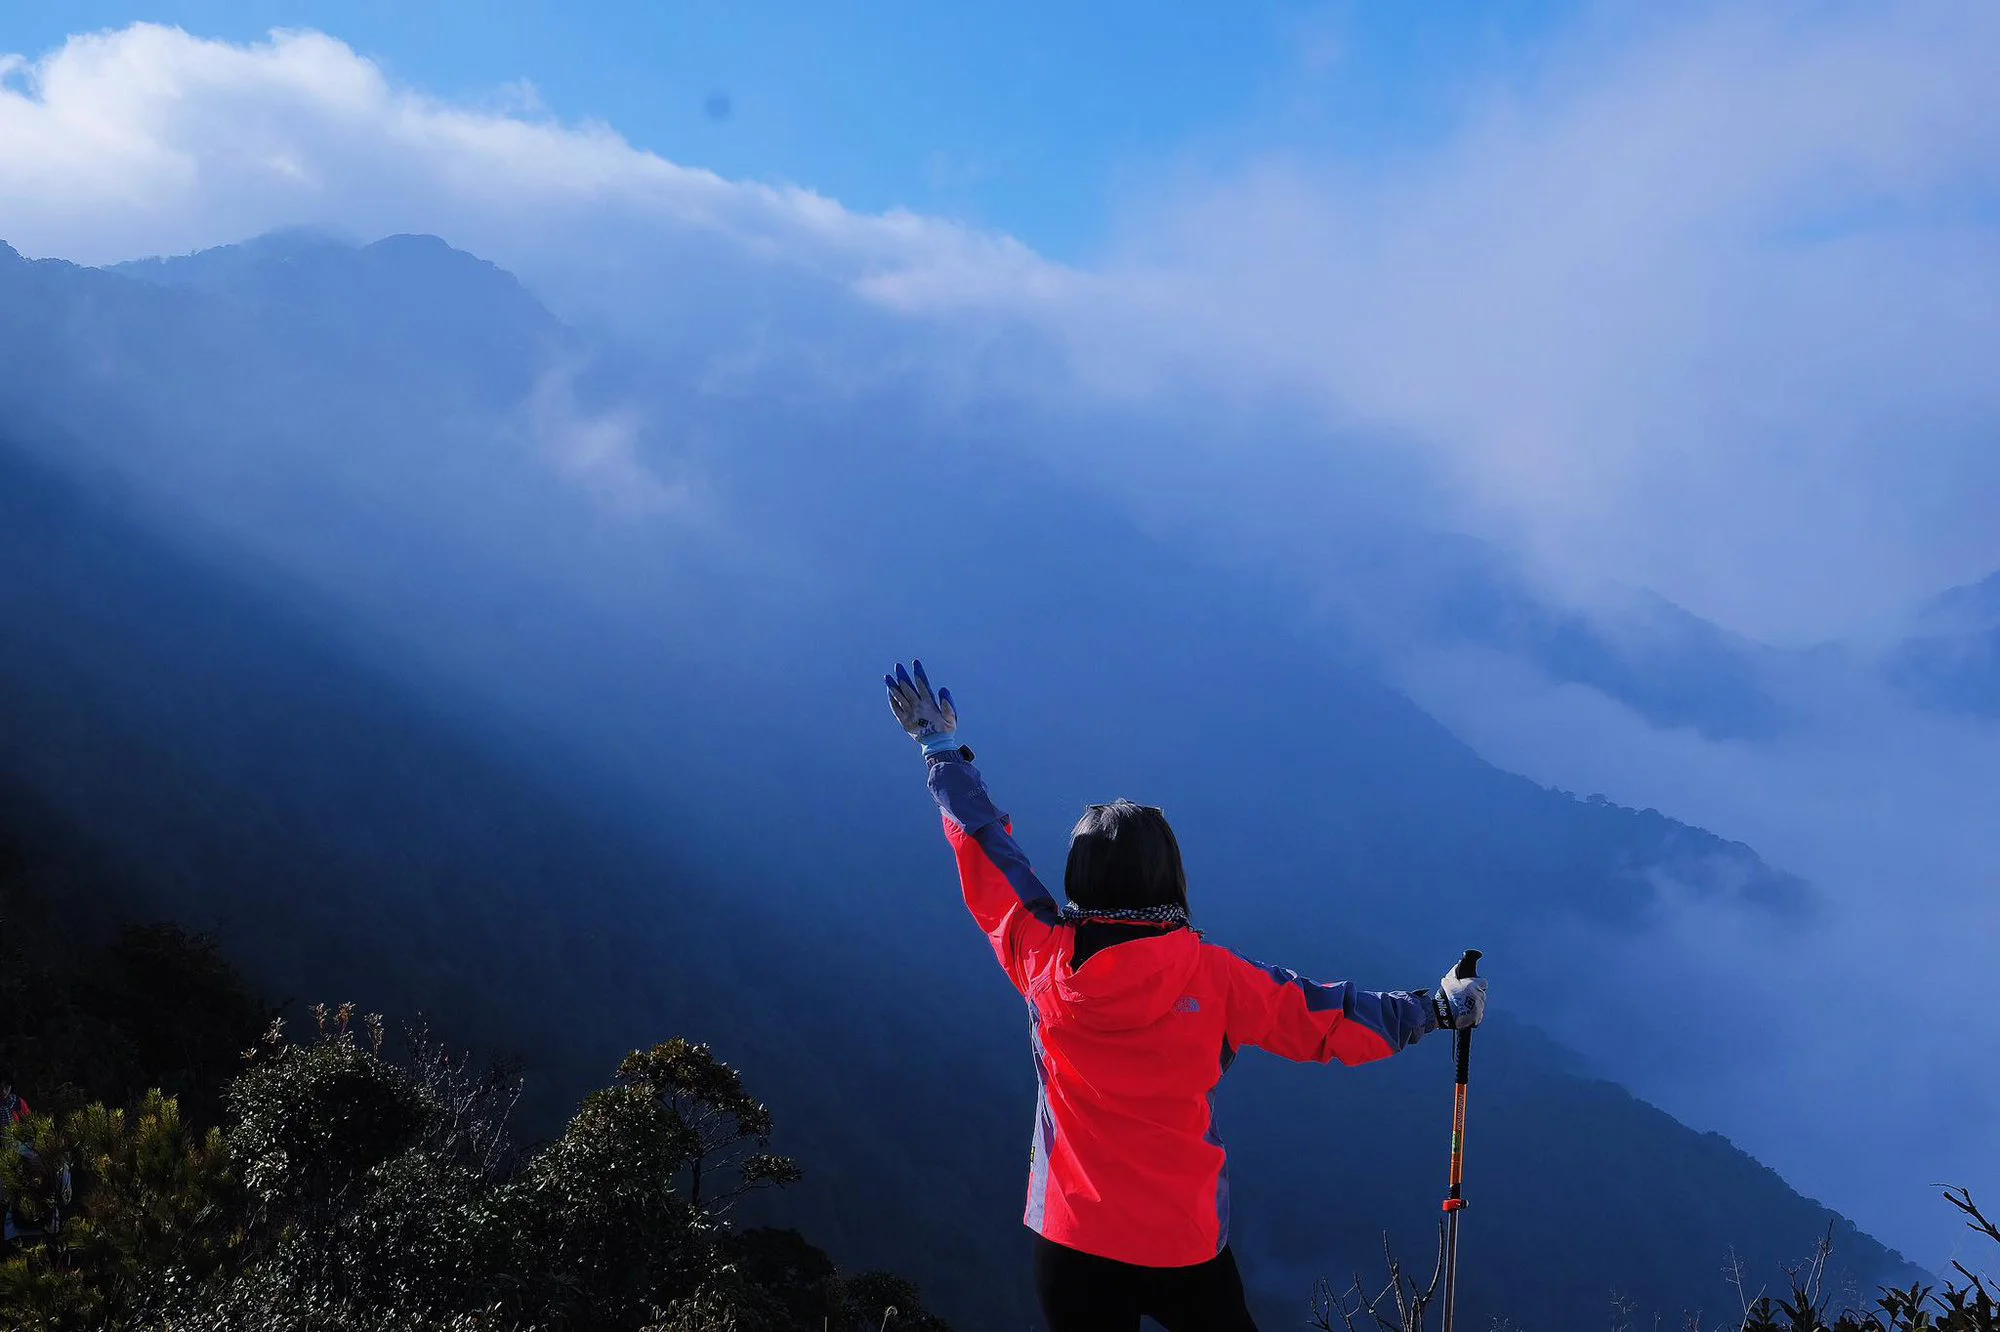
x: 930, y: 718
x: 1460, y: 1001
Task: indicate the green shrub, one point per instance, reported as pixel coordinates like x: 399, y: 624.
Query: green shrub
x: 157, y: 1211
x: 350, y: 1190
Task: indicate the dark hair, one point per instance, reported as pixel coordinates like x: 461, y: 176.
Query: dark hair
x: 1123, y: 856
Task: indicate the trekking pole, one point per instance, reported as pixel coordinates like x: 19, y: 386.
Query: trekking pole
x: 1454, y: 1203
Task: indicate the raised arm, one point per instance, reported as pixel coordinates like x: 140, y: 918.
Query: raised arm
x: 1313, y: 1022
x: 1018, y: 914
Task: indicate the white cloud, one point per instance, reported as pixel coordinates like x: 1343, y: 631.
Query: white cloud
x: 148, y: 140
x: 1711, y: 311
x: 600, y: 452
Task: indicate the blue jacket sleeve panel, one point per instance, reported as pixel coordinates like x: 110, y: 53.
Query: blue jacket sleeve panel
x: 1018, y: 914
x: 1313, y: 1022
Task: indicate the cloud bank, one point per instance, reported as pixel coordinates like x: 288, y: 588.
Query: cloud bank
x: 148, y: 140
x: 1706, y: 305
x: 1704, y: 308
x: 1886, y: 810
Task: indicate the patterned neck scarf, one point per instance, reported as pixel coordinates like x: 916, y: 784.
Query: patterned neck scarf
x: 1152, y: 915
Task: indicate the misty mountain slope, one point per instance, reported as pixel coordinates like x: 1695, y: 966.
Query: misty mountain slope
x: 383, y: 889
x: 428, y: 515
x: 236, y: 387
x: 1405, y: 593
x: 1638, y: 1221
x: 178, y: 743
x: 1951, y: 662
x: 716, y: 722
x: 255, y: 781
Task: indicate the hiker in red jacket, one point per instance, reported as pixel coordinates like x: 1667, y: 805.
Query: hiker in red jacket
x: 1134, y: 1018
x: 13, y: 1110
x: 13, y: 1106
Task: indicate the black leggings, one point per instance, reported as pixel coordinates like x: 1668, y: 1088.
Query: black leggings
x: 1081, y: 1292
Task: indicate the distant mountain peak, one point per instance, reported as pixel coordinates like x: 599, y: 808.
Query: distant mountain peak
x: 1950, y: 661
x: 219, y: 263
x: 308, y: 268
x: 419, y: 251
x: 418, y: 242
x: 1968, y: 607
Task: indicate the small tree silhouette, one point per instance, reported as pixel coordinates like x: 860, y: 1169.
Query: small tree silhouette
x: 1919, y: 1308
x: 724, y: 1123
x: 1399, y: 1305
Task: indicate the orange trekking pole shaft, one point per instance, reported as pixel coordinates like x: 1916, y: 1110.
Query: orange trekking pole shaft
x: 1454, y: 1202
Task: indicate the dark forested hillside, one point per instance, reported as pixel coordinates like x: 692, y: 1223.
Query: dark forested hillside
x: 673, y: 804
x: 95, y: 1006
x: 175, y: 743
x: 190, y: 1161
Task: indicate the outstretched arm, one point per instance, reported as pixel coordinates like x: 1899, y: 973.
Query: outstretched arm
x: 1311, y: 1022
x: 1018, y: 914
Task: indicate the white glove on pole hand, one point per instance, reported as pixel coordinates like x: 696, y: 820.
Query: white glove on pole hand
x: 1460, y: 1001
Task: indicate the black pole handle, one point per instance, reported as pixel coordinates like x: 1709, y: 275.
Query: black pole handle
x: 1467, y: 969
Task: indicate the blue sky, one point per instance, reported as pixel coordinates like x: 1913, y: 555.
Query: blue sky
x: 1024, y: 116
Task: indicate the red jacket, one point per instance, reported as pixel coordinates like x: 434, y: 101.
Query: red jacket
x: 1129, y: 1048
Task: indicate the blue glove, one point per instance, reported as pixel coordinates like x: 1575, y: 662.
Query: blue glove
x: 930, y: 719
x: 1460, y: 1001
